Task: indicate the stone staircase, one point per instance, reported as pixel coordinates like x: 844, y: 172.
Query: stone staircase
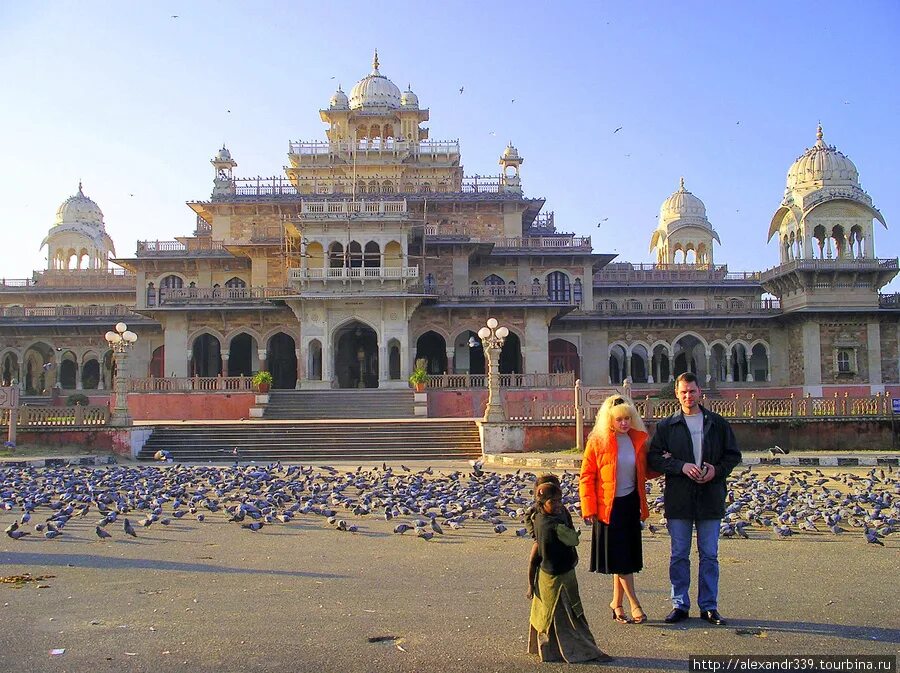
x: 317, y: 441
x: 338, y: 404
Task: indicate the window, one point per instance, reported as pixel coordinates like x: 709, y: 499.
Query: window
x: 845, y: 360
x: 558, y: 286
x: 578, y: 291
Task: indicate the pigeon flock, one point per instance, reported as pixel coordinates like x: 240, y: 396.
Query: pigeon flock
x: 117, y: 502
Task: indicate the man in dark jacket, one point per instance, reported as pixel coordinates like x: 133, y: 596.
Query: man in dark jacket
x: 696, y: 450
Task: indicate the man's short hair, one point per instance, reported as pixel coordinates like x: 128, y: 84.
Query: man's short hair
x: 687, y: 377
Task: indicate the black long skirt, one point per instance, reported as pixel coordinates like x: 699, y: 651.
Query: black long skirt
x: 616, y: 548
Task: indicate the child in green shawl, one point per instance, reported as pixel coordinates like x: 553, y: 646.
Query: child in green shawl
x: 558, y: 630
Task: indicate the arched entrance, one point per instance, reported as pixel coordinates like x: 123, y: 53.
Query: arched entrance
x: 433, y: 348
x: 240, y: 355
x: 10, y: 370
x: 356, y: 356
x: 282, y: 361
x: 158, y: 362
x: 468, y: 354
x: 564, y: 357
x: 511, y: 355
x: 68, y: 370
x: 40, y: 372
x: 206, y: 356
x: 90, y: 375
x: 690, y: 356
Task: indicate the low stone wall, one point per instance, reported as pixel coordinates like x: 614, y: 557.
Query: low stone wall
x: 753, y: 435
x: 117, y: 440
x: 190, y: 406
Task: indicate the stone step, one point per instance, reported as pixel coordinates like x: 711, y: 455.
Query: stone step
x: 339, y: 404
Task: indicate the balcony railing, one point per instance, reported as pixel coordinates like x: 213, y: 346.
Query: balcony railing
x: 378, y: 146
x: 118, y: 310
x: 703, y: 306
x: 466, y: 381
x: 201, y: 246
x: 686, y: 273
x: 543, y: 243
x: 57, y: 417
x: 355, y: 273
x: 841, y: 264
x: 481, y: 184
x: 889, y: 300
x: 279, y: 186
x: 191, y: 384
x: 395, y: 209
x: 530, y: 293
x: 81, y: 279
x: 221, y: 295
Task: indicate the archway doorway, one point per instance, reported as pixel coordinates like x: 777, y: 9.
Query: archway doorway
x: 432, y: 347
x: 206, y: 356
x: 240, y: 353
x: 90, y: 375
x: 158, y: 362
x: 10, y: 370
x: 356, y: 356
x: 511, y: 355
x: 68, y: 371
x: 468, y: 354
x: 690, y: 356
x: 282, y: 361
x: 564, y: 357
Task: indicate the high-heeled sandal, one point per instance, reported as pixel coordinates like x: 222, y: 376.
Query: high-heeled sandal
x: 620, y: 617
x: 636, y: 619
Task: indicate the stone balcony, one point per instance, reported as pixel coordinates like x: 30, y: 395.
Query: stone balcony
x: 217, y: 296
x: 354, y: 274
x: 185, y: 247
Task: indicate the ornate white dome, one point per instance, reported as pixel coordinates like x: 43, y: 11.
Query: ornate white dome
x: 79, y: 209
x: 683, y: 205
x: 511, y: 153
x: 820, y: 165
x: 339, y: 100
x: 409, y: 99
x: 223, y: 154
x: 375, y: 90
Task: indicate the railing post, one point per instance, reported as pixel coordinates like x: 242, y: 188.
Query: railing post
x: 753, y: 405
x: 79, y: 414
x: 844, y: 404
x: 579, y: 417
x: 793, y: 406
x: 648, y: 408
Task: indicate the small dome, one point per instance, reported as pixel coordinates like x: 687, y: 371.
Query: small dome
x: 223, y: 154
x: 821, y: 164
x: 511, y: 153
x: 683, y: 205
x: 79, y: 209
x: 339, y: 100
x: 409, y: 99
x: 375, y: 90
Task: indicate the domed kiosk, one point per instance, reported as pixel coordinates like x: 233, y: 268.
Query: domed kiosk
x: 684, y: 234
x: 78, y: 238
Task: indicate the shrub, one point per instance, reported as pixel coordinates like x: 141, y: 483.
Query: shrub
x: 77, y: 400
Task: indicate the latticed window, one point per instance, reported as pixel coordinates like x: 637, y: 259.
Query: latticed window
x: 578, y: 290
x: 235, y: 283
x: 558, y: 288
x: 846, y: 360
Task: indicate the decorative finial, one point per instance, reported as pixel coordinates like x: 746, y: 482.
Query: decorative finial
x: 375, y: 61
x: 682, y: 184
x: 819, y: 134
x: 80, y: 193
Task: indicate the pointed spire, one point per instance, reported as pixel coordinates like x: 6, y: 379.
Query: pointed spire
x: 819, y: 134
x: 80, y: 193
x: 375, y: 63
x: 681, y: 188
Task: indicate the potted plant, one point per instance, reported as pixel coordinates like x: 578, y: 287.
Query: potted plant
x: 262, y: 380
x: 419, y: 376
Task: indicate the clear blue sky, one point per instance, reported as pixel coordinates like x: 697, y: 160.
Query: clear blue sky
x: 135, y: 102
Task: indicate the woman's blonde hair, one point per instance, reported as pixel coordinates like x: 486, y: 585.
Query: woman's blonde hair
x: 612, y: 408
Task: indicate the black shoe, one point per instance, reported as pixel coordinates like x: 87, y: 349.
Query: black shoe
x: 713, y: 617
x: 676, y: 615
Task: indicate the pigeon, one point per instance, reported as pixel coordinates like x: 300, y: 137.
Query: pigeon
x: 776, y: 450
x: 402, y: 528
x: 17, y: 534
x: 129, y: 529
x: 499, y: 528
x: 872, y: 537
x: 101, y: 533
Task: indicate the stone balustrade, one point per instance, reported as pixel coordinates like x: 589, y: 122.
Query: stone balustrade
x: 190, y: 384
x: 466, y: 381
x: 361, y: 273
x: 57, y: 417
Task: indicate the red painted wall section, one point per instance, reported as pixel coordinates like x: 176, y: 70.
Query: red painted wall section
x: 471, y: 403
x: 116, y: 440
x: 190, y: 406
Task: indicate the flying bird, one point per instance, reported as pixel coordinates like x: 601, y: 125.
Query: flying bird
x: 461, y: 89
x: 618, y: 129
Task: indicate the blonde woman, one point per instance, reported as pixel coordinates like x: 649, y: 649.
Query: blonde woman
x: 614, y: 501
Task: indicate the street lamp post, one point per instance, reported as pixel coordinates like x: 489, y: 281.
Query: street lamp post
x: 492, y: 338
x: 121, y: 341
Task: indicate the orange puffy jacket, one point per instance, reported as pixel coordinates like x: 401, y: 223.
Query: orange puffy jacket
x: 597, y: 486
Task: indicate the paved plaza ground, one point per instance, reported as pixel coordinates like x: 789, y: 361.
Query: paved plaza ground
x: 303, y: 596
